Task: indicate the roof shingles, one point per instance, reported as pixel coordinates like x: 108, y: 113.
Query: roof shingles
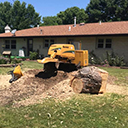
x: 106, y: 28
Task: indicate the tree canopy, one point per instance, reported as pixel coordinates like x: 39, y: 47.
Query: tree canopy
x: 18, y: 16
x: 51, y: 20
x: 107, y: 10
x: 96, y: 10
x: 67, y: 17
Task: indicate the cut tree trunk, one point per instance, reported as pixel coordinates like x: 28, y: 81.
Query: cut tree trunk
x: 89, y: 80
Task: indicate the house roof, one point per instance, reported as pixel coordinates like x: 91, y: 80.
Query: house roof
x: 87, y: 29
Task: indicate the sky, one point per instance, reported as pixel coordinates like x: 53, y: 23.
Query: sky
x: 52, y: 7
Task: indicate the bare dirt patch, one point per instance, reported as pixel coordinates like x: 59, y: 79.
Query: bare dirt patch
x: 36, y: 85
x: 112, y: 88
x: 4, y: 81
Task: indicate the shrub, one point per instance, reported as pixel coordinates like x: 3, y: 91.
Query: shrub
x: 110, y: 59
x: 15, y: 60
x: 114, y: 60
x: 4, y: 60
x: 33, y: 55
x: 93, y: 59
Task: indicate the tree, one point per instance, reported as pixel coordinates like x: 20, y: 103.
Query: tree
x: 107, y: 10
x: 23, y: 17
x: 18, y: 16
x: 51, y: 20
x: 68, y: 15
x: 5, y: 15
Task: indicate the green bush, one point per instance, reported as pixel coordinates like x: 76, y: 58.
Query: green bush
x: 15, y: 60
x: 33, y: 55
x: 114, y: 60
x: 110, y: 59
x: 4, y: 60
x: 93, y: 59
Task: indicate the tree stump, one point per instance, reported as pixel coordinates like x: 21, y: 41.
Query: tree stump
x: 77, y: 85
x: 89, y: 80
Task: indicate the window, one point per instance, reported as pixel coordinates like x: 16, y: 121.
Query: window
x: 7, y: 44
x: 100, y: 43
x: 104, y: 43
x: 70, y: 41
x: 48, y: 43
x: 108, y: 43
x: 10, y: 44
x: 51, y: 42
x: 13, y: 44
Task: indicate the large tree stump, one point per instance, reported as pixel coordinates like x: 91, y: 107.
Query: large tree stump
x: 89, y: 80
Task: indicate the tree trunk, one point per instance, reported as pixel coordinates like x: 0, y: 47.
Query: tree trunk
x: 89, y: 80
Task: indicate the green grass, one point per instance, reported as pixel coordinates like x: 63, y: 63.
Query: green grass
x: 82, y: 111
x: 31, y: 65
x: 121, y: 75
x: 26, y: 66
x: 4, y: 71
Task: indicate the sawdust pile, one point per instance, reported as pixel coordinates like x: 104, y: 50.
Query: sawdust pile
x: 34, y: 86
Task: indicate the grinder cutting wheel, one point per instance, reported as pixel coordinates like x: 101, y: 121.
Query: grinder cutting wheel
x: 16, y: 74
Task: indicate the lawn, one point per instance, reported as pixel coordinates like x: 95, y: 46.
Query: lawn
x: 80, y: 111
x: 121, y: 75
x: 26, y: 66
x: 108, y: 111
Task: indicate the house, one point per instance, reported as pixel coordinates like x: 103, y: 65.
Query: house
x: 99, y: 37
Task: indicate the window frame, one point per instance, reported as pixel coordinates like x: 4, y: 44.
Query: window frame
x: 48, y: 42
x: 104, y: 43
x: 13, y: 46
x: 10, y: 45
x: 7, y: 44
x: 99, y: 43
x: 109, y: 43
x: 70, y: 41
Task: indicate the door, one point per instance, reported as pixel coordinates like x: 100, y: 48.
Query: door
x: 29, y: 46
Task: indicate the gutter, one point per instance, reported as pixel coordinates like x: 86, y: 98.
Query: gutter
x: 52, y: 36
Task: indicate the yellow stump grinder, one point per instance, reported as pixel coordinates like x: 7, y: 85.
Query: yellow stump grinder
x: 64, y: 56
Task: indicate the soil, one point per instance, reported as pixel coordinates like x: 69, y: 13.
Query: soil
x: 33, y: 86
x: 37, y: 85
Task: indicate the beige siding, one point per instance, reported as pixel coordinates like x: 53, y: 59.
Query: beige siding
x: 19, y: 44
x: 61, y: 40
x: 119, y: 45
x: 38, y: 45
x: 88, y: 43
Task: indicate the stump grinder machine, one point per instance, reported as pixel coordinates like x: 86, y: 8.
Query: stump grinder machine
x: 64, y: 57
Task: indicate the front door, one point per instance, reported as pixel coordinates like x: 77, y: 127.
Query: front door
x: 29, y: 46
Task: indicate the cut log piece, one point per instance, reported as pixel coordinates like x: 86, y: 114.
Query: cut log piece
x: 89, y: 79
x: 104, y: 75
x: 77, y: 85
